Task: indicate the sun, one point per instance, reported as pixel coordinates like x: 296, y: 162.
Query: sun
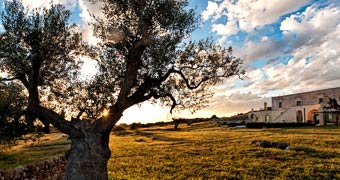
x: 105, y: 112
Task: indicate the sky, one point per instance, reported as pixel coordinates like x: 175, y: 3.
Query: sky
x: 288, y: 46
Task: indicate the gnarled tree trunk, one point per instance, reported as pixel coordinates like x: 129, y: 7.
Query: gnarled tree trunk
x: 88, y: 156
x: 89, y: 153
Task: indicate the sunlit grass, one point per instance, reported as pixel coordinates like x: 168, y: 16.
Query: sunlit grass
x: 206, y: 151
x: 198, y: 152
x: 33, y: 152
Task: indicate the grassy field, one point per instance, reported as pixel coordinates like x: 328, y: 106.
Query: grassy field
x: 207, y: 151
x: 32, y: 151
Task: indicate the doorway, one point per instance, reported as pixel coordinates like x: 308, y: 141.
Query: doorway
x: 299, y: 117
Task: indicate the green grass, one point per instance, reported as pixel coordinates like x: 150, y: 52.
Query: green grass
x: 206, y: 151
x: 209, y: 152
x: 34, y: 153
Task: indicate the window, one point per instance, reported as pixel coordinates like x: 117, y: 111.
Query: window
x: 280, y: 104
x: 298, y: 103
x: 266, y: 118
x: 330, y: 117
x: 320, y: 100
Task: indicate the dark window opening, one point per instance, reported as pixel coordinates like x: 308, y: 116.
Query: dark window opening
x: 320, y: 100
x: 298, y: 103
x: 280, y: 104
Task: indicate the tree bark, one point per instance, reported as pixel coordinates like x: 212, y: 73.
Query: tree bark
x: 176, y: 124
x: 88, y: 156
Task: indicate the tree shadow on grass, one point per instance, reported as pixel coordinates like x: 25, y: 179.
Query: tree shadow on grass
x: 122, y: 133
x: 153, y: 135
x: 157, y: 137
x: 163, y: 129
x: 125, y: 132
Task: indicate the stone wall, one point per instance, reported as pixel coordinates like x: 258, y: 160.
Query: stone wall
x: 52, y: 169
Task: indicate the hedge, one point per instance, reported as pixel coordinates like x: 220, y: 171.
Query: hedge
x: 276, y: 125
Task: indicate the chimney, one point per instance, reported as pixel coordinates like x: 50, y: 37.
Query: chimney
x: 265, y: 106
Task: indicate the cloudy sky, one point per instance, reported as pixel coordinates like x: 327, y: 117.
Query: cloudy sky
x: 288, y: 46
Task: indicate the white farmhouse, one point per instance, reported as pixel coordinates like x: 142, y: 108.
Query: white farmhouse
x: 316, y: 107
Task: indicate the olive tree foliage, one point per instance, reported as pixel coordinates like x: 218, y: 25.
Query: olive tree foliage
x: 146, y: 55
x: 12, y: 105
x: 39, y: 50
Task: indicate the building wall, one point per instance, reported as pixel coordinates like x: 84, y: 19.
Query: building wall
x: 307, y: 98
x: 290, y: 115
x: 259, y: 116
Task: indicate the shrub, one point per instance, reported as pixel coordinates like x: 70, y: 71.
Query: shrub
x: 276, y: 125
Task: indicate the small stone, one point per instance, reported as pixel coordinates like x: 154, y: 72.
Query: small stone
x: 282, y: 145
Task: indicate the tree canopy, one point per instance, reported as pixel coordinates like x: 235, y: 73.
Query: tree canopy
x: 39, y: 50
x: 146, y: 55
x: 12, y: 105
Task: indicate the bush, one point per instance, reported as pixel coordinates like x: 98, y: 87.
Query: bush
x: 118, y: 128
x: 276, y: 125
x: 135, y: 126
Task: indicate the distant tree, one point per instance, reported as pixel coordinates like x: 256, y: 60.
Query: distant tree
x: 176, y: 123
x: 135, y: 126
x: 143, y: 56
x: 12, y: 106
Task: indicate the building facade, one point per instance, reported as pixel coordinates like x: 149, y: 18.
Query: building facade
x: 316, y: 107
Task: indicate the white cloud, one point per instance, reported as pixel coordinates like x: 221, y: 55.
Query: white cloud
x: 246, y: 15
x: 88, y: 10
x: 266, y: 48
x: 224, y: 29
x: 313, y: 26
x: 32, y: 4
x: 210, y: 10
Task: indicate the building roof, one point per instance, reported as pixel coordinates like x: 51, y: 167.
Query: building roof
x: 300, y: 93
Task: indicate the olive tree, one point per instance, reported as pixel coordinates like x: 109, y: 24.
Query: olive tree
x: 144, y: 55
x: 12, y: 104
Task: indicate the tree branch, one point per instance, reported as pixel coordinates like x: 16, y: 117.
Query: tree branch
x: 191, y: 87
x: 8, y: 79
x: 57, y: 121
x: 80, y: 113
x: 172, y: 98
x: 132, y: 66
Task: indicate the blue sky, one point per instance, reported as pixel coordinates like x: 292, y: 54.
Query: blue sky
x: 288, y: 46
